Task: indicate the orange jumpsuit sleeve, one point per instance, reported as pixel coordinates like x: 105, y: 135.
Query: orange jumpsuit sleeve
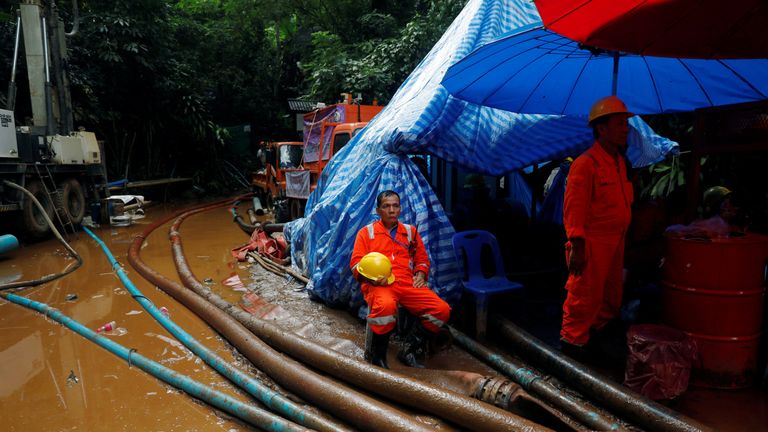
x: 421, y: 259
x: 360, y: 249
x: 578, y: 196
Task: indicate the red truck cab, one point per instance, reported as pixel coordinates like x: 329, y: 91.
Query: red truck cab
x: 295, y: 167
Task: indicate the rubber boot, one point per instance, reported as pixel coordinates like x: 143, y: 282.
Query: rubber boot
x: 414, y: 346
x: 574, y: 351
x: 376, y: 348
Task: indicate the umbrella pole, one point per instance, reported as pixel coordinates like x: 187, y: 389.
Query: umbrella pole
x: 615, y: 82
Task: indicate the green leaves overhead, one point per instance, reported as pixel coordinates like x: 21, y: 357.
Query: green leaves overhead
x: 157, y: 79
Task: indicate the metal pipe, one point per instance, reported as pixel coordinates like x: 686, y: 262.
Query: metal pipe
x: 257, y: 206
x: 271, y: 399
x: 353, y: 406
x: 251, y: 216
x: 277, y: 268
x: 530, y: 380
x: 641, y: 410
x: 463, y: 410
x: 49, y: 126
x: 251, y: 414
x: 11, y: 100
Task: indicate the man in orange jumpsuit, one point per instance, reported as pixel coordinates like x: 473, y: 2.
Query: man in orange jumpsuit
x: 403, y: 246
x: 596, y: 215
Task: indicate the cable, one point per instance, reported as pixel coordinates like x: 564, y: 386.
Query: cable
x: 45, y: 279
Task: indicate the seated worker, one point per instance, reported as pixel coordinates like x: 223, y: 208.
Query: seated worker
x: 720, y: 217
x: 405, y: 284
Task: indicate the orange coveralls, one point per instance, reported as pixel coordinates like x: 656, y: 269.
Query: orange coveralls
x: 407, y: 258
x: 597, y: 208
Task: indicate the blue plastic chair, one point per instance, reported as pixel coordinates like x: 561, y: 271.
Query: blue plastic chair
x: 468, y: 246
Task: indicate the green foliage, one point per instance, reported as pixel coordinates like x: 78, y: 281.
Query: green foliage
x: 375, y: 67
x: 664, y: 178
x: 158, y: 79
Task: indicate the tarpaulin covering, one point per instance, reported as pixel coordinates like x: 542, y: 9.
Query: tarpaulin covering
x: 423, y: 118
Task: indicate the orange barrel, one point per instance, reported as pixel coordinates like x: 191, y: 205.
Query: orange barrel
x: 714, y: 290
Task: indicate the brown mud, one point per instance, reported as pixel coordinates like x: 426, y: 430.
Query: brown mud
x: 54, y: 379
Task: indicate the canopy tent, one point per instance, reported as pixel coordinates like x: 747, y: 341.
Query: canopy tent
x: 423, y: 118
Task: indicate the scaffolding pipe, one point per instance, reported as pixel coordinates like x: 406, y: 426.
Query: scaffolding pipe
x: 531, y: 381
x: 251, y: 414
x: 462, y: 410
x: 635, y: 407
x: 271, y: 399
x: 11, y: 99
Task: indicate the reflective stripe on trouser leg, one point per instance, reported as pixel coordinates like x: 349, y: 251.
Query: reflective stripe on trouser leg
x: 434, y: 321
x: 425, y: 304
x: 382, y: 308
x: 382, y: 321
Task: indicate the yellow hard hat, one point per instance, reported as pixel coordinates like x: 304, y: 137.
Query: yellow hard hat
x: 713, y: 197
x: 375, y: 265
x: 608, y: 105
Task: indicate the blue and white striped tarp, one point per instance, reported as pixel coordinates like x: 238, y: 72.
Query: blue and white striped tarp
x: 423, y: 118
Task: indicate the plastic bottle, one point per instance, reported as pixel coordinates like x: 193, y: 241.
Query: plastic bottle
x: 107, y: 327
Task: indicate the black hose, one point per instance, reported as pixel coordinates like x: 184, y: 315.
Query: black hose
x: 45, y: 279
x: 250, y: 228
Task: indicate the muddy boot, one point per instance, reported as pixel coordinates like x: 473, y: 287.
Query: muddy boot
x: 575, y: 352
x: 376, y: 348
x: 414, y: 346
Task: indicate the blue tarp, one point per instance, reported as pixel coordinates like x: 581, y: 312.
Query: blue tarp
x: 423, y: 118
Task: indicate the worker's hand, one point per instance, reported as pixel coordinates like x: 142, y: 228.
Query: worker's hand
x: 577, y: 257
x: 382, y: 281
x: 419, y: 280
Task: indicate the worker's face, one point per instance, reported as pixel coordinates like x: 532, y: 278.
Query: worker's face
x: 728, y: 211
x: 614, y: 132
x: 389, y: 210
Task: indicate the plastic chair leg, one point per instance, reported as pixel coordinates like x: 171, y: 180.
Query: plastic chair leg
x: 481, y: 316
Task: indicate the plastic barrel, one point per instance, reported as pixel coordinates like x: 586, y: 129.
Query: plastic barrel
x: 8, y: 243
x: 714, y: 290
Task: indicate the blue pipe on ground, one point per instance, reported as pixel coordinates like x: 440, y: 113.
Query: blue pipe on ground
x: 8, y: 243
x: 273, y: 400
x: 251, y: 414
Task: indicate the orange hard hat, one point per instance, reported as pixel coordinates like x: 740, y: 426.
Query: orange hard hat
x: 375, y: 265
x: 606, y: 106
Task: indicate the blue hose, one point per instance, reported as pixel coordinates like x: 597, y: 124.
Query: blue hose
x: 8, y: 243
x: 273, y: 400
x: 251, y: 414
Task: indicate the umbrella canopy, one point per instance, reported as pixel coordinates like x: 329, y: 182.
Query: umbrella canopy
x: 667, y: 28
x: 534, y: 70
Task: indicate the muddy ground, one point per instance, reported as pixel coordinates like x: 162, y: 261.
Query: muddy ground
x: 53, y: 379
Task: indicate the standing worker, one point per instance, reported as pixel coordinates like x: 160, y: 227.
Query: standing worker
x: 391, y: 263
x: 596, y: 215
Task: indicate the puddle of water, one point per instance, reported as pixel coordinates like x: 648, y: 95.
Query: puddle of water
x: 54, y: 379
